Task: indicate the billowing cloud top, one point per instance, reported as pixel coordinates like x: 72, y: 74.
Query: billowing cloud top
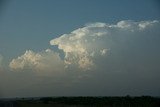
x: 85, y: 45
x: 47, y: 60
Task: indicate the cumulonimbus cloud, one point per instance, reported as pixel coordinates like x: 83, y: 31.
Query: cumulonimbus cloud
x: 84, y: 47
x: 94, y: 40
x: 124, y: 55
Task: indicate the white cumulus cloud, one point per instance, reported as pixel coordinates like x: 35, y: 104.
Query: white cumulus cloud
x: 45, y: 61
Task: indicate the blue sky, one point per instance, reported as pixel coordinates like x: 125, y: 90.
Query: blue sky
x: 27, y: 24
x: 79, y: 47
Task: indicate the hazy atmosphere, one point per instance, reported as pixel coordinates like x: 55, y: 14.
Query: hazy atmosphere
x: 79, y: 48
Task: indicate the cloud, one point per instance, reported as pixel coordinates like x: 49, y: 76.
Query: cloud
x: 91, y: 46
x: 83, y: 46
x: 45, y: 61
x: 120, y: 59
x: 103, y: 51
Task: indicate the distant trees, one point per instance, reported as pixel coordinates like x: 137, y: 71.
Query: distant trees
x: 46, y: 99
x: 127, y: 101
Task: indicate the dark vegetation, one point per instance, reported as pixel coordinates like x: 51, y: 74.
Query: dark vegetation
x: 127, y: 101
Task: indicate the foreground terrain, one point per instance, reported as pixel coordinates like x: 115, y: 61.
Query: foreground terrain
x: 127, y: 101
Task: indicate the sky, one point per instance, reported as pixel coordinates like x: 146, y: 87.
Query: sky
x: 79, y: 48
